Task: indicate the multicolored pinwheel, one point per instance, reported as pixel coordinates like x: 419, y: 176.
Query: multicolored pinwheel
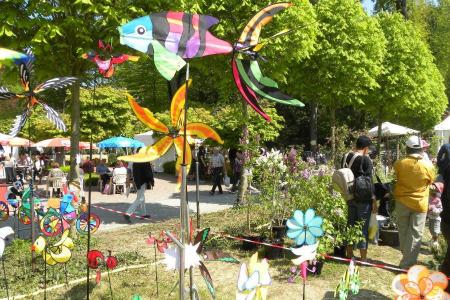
x: 172, y: 37
x: 420, y: 283
x: 106, y: 60
x: 58, y: 253
x: 305, y: 228
x: 32, y: 95
x: 14, y: 56
x: 247, y: 74
x: 174, y: 135
x: 253, y: 280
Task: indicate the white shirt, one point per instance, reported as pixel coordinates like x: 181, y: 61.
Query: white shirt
x: 217, y: 161
x: 120, y: 171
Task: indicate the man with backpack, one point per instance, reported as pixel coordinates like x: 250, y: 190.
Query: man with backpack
x: 414, y: 177
x: 361, y: 202
x: 443, y: 158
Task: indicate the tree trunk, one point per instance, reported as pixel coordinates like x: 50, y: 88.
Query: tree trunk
x: 243, y: 186
x: 380, y: 122
x: 313, y: 126
x: 75, y: 126
x: 401, y: 7
x: 333, y: 134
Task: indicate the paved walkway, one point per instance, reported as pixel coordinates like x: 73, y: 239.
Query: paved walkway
x: 162, y: 203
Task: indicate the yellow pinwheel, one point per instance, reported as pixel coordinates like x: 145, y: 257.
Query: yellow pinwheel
x: 173, y: 135
x: 56, y: 253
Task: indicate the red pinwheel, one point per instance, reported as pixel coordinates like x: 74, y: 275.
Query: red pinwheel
x: 96, y: 260
x: 161, y: 243
x: 106, y: 60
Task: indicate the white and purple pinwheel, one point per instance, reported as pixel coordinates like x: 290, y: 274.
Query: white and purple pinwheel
x: 305, y: 228
x: 4, y: 232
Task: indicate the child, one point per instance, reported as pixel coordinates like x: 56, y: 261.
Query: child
x: 434, y: 211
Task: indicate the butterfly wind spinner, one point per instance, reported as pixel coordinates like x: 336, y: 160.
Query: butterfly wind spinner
x: 32, y: 95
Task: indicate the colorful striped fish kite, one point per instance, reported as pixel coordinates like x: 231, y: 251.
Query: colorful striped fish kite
x: 106, y: 60
x: 172, y: 37
x: 247, y: 74
x: 32, y: 96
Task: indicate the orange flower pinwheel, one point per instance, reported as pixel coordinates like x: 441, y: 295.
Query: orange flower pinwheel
x: 173, y: 134
x: 419, y: 283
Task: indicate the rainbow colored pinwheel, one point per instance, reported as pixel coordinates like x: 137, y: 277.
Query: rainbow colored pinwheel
x: 56, y: 253
x: 419, y: 283
x: 174, y: 135
x: 106, y: 60
x: 305, y: 228
x: 253, y: 280
x: 247, y: 74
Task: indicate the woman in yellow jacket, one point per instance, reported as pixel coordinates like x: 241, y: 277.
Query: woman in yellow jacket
x: 414, y: 177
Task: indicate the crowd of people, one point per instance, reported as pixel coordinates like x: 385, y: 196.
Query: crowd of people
x: 418, y: 192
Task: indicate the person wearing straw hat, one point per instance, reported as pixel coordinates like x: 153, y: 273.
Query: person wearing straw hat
x: 414, y: 177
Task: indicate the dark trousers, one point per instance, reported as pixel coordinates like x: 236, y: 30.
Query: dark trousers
x: 237, y: 177
x: 105, y: 179
x: 445, y: 266
x: 217, y: 178
x: 9, y: 172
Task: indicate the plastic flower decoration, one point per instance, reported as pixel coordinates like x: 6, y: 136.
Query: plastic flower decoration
x: 305, y: 228
x: 106, y: 60
x: 350, y: 282
x: 253, y: 280
x: 96, y: 260
x: 173, y: 135
x: 172, y: 257
x: 420, y: 283
x: 60, y: 252
x: 4, y: 232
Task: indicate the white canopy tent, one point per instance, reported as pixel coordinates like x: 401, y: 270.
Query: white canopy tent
x: 442, y: 130
x: 390, y: 129
x: 148, y: 139
x: 8, y: 149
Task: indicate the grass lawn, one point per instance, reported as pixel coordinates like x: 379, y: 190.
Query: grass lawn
x: 128, y: 244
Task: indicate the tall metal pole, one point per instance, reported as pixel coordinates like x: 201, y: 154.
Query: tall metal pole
x: 197, y: 192
x: 31, y: 201
x: 90, y: 196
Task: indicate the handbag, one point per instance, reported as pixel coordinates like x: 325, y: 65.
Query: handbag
x: 226, y: 181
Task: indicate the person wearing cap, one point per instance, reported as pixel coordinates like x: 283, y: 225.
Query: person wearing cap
x: 425, y: 147
x: 414, y: 177
x: 359, y: 210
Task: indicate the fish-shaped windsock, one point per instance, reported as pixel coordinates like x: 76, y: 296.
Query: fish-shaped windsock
x: 172, y: 37
x: 4, y: 232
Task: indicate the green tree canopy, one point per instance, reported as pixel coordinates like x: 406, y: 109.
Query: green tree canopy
x: 409, y: 83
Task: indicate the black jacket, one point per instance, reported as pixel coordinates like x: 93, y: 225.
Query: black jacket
x: 143, y: 173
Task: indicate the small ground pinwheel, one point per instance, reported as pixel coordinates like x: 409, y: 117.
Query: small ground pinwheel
x: 350, y: 282
x: 106, y: 60
x: 420, y: 283
x: 32, y: 95
x: 304, y: 229
x: 96, y: 260
x: 253, y: 280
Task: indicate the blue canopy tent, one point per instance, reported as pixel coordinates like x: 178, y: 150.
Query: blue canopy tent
x: 120, y: 142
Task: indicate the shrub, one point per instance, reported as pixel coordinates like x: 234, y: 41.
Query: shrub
x: 169, y: 167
